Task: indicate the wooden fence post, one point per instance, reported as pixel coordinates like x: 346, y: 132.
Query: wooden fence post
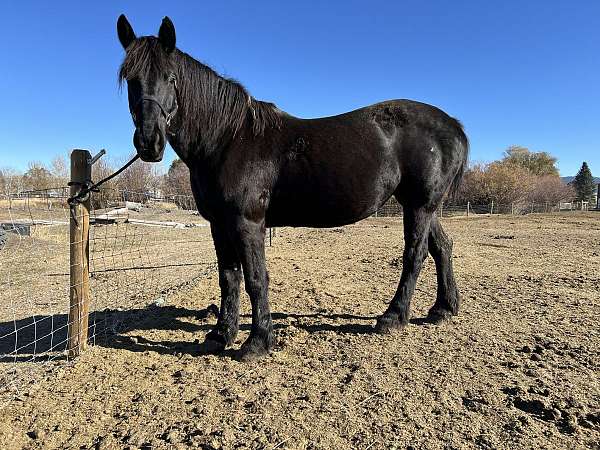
x: 468, y: 207
x: 79, y: 292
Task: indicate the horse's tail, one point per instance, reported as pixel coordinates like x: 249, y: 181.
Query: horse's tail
x: 462, y: 148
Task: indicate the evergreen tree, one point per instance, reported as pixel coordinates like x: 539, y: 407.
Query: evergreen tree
x: 584, y: 183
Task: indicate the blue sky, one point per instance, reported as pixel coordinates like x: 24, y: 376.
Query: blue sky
x: 514, y: 72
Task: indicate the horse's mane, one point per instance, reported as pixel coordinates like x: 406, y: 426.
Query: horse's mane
x: 212, y: 109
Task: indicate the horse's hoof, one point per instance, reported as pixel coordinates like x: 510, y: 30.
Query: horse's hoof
x: 212, y: 344
x: 437, y: 316
x: 387, y: 325
x: 253, y: 350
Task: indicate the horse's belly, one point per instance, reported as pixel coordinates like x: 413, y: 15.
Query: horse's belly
x: 321, y: 210
x: 334, y: 184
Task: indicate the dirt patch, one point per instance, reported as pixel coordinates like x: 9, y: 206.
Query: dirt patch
x: 517, y: 368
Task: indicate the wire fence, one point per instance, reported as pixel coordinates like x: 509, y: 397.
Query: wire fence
x: 34, y: 230
x: 141, y: 248
x: 393, y: 208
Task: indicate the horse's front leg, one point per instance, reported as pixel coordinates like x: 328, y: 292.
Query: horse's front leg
x: 249, y: 237
x: 230, y: 276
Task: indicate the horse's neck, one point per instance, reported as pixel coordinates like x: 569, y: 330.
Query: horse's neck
x: 191, y: 151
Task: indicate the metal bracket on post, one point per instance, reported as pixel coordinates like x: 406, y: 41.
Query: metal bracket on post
x: 99, y: 155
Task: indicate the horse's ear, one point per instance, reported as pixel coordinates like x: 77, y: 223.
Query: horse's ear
x: 126, y: 34
x: 166, y: 34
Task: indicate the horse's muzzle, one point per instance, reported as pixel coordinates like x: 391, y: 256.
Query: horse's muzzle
x: 147, y: 156
x: 150, y: 149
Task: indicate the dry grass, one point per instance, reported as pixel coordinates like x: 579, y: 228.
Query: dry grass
x: 31, y: 203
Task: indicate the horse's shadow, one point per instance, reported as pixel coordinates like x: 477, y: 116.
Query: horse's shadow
x: 37, y: 338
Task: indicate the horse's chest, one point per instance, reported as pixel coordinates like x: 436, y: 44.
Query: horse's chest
x: 204, y: 210
x: 206, y: 200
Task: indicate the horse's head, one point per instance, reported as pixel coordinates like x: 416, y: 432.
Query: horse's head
x: 149, y: 72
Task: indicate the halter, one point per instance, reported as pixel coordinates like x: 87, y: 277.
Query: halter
x: 150, y: 98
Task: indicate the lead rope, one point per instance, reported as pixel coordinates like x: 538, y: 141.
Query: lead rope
x: 87, y: 187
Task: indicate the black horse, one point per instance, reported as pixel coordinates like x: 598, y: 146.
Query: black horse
x: 254, y: 166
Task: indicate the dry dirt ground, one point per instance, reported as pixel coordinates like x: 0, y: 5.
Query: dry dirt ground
x: 518, y: 368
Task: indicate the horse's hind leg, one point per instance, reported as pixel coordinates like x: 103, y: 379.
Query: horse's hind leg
x: 440, y: 248
x: 416, y: 231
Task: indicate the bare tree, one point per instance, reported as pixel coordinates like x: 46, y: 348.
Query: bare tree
x: 139, y: 180
x: 37, y: 177
x: 498, y: 181
x: 177, y: 179
x: 10, y: 181
x: 60, y: 170
x: 550, y: 189
x: 108, y: 194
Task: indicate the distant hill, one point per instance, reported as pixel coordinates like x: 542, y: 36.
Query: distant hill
x: 569, y: 179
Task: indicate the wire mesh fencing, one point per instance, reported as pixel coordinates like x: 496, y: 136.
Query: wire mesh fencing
x: 33, y: 306
x: 141, y: 247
